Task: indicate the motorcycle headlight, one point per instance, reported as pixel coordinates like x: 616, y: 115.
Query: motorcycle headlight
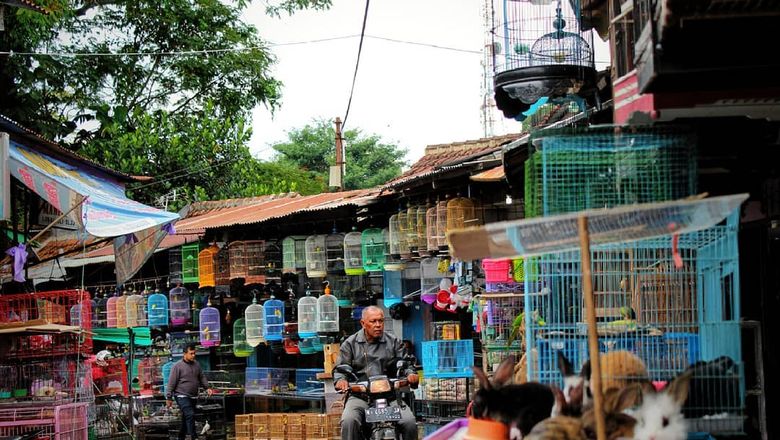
x: 380, y: 385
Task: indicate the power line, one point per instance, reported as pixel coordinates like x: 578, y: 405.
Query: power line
x: 357, y: 63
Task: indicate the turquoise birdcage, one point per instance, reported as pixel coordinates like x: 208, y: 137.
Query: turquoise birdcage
x: 166, y: 374
x: 307, y: 315
x: 157, y: 309
x: 334, y: 247
x: 392, y: 288
x: 179, y: 305
x: 274, y: 319
x: 316, y: 256
x: 255, y: 323
x: 189, y: 263
x: 353, y: 254
x: 373, y: 249
x: 241, y: 347
x: 327, y: 312
x: 293, y: 253
x: 209, y: 325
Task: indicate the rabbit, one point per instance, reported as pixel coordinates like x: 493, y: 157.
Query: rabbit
x: 518, y: 406
x: 558, y: 428
x: 718, y: 377
x: 660, y: 417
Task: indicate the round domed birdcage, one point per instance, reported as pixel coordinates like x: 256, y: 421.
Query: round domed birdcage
x: 540, y: 50
x: 255, y: 323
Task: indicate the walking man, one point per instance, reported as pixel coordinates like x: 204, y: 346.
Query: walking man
x: 186, y: 376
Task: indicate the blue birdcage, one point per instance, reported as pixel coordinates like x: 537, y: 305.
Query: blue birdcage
x: 671, y: 302
x: 157, y: 309
x: 274, y: 319
x: 392, y: 287
x: 241, y: 347
x: 209, y: 325
x: 179, y: 305
x: 166, y: 373
x: 255, y: 323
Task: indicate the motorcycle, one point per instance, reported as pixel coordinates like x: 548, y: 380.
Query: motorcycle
x: 380, y: 391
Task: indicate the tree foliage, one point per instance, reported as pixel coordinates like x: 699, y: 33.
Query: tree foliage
x: 369, y: 161
x: 164, y: 106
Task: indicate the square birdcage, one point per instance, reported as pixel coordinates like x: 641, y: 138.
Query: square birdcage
x: 222, y: 267
x: 499, y: 319
x: 293, y: 253
x: 174, y: 266
x: 265, y: 381
x: 334, y: 248
x: 576, y: 169
x: 671, y: 302
x: 248, y: 262
x: 448, y: 358
x: 273, y: 261
x: 189, y: 263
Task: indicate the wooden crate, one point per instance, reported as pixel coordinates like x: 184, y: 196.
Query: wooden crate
x: 316, y: 426
x: 277, y: 426
x: 259, y: 426
x: 296, y: 427
x: 334, y: 426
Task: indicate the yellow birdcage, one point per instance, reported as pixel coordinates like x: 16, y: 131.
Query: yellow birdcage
x: 403, y: 236
x: 461, y: 213
x: 432, y: 242
x: 411, y: 231
x: 441, y: 225
x: 207, y: 262
x: 421, y: 230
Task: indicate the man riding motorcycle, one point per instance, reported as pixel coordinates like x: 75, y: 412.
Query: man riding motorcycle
x: 367, y: 352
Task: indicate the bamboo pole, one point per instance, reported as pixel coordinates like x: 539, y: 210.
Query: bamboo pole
x: 56, y: 220
x: 593, y: 337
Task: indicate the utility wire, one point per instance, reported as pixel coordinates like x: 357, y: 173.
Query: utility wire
x: 357, y: 64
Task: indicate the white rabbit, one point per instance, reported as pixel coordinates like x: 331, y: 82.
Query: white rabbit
x: 660, y: 417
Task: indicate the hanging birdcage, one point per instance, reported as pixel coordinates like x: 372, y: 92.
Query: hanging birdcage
x: 135, y: 307
x: 316, y: 256
x: 404, y: 233
x: 394, y: 236
x: 207, y: 265
x: 111, y: 312
x: 373, y: 249
x: 255, y: 323
x: 75, y: 315
x: 431, y: 239
x: 441, y: 226
x: 166, y: 374
x: 461, y: 213
x: 307, y: 315
x: 273, y: 261
x: 412, y: 238
x: 392, y: 288
x: 179, y: 305
x: 209, y: 325
x: 121, y: 311
x: 392, y: 262
x: 353, y: 254
x: 327, y: 312
x: 334, y: 247
x: 429, y: 277
x: 539, y: 50
x: 421, y: 231
x: 290, y: 338
x: 241, y: 347
x: 222, y: 267
x: 189, y: 263
x: 274, y: 319
x: 100, y: 311
x: 293, y: 253
x: 174, y: 266
x: 157, y: 309
x: 247, y: 261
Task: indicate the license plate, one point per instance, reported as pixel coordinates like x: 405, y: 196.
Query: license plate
x: 383, y: 414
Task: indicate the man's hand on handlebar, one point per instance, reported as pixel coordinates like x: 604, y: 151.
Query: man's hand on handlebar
x: 342, y: 385
x: 413, y: 379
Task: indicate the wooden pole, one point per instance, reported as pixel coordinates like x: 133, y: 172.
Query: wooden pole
x: 339, y: 154
x: 593, y: 336
x: 56, y: 220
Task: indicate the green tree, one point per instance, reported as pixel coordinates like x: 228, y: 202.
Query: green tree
x: 163, y: 109
x: 369, y: 161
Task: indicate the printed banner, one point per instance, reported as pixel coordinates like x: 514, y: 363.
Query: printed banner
x: 5, y: 179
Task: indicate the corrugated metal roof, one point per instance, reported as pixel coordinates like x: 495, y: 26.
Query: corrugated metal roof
x: 8, y: 124
x: 258, y: 211
x: 444, y: 156
x: 495, y: 174
x: 26, y: 4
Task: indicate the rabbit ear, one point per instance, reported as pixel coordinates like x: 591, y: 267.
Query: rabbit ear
x: 504, y: 371
x: 484, y: 383
x: 585, y: 372
x: 678, y: 389
x: 564, y: 365
x: 628, y: 397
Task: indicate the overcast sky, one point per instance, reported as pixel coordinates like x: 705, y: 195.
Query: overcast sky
x: 408, y: 94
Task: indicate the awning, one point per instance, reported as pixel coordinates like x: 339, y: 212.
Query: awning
x: 495, y: 174
x: 106, y: 212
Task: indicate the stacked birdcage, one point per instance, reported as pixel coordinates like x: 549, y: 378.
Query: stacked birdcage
x: 150, y: 375
x: 499, y: 319
x: 293, y: 253
x: 247, y: 261
x: 222, y: 269
x: 272, y: 255
x: 54, y: 307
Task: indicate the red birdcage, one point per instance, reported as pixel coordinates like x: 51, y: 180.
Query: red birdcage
x: 55, y: 307
x: 110, y: 377
x: 247, y: 261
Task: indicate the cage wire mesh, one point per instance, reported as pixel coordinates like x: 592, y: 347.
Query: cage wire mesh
x: 574, y: 169
x: 189, y: 263
x: 174, y: 265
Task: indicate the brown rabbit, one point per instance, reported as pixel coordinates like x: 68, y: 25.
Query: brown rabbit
x: 558, y: 428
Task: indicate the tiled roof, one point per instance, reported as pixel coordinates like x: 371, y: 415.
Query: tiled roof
x: 51, y: 249
x: 219, y: 214
x: 8, y: 124
x: 437, y: 157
